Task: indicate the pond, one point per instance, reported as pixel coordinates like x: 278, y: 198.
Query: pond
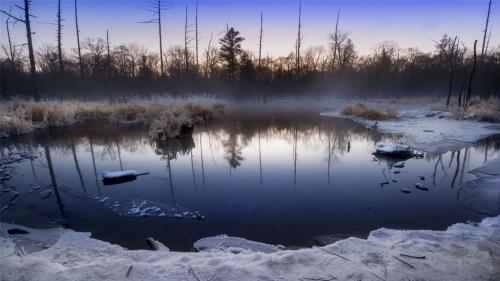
x: 280, y: 176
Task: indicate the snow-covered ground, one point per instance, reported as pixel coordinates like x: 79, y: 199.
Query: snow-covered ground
x: 428, y: 130
x: 462, y: 252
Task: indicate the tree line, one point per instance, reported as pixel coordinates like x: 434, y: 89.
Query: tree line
x: 96, y: 68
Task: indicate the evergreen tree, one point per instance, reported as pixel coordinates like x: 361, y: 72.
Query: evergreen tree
x: 230, y: 50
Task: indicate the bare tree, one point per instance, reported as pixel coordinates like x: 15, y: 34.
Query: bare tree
x: 108, y: 56
x: 260, y: 61
x: 485, y: 31
x: 186, y: 41
x: 197, y: 38
x: 80, y: 62
x: 471, y: 77
x: 335, y: 38
x: 452, y: 69
x: 59, y: 47
x: 27, y: 23
x: 299, y: 39
x: 156, y: 7
x: 11, y: 48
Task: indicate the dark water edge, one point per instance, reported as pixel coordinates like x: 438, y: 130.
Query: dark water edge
x: 277, y: 175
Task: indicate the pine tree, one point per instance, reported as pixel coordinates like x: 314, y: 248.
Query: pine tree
x: 230, y: 50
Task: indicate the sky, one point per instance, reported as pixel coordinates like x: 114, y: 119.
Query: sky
x: 369, y: 22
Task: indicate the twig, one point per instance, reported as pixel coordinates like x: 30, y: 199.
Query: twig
x: 129, y: 270
x: 194, y: 274
x: 335, y: 254
x: 410, y: 256
x: 404, y: 262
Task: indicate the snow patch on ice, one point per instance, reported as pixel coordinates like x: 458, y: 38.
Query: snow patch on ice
x: 429, y: 131
x: 233, y: 244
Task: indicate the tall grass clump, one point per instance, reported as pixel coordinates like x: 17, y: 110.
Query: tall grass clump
x: 20, y: 116
x: 363, y: 111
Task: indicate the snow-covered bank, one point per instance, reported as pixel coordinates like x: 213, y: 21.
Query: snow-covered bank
x: 462, y: 252
x: 428, y: 130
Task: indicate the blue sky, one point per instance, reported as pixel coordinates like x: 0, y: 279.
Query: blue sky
x: 409, y: 23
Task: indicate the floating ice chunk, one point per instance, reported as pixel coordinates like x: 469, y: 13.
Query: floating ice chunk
x: 146, y: 208
x: 481, y: 195
x: 392, y: 148
x: 232, y: 244
x: 120, y: 176
x: 399, y: 165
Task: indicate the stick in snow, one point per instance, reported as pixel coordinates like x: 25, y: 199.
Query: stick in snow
x: 335, y: 254
x: 406, y: 263
x: 129, y: 270
x: 410, y: 256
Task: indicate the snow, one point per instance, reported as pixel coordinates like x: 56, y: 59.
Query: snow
x: 120, y: 174
x: 427, y: 130
x: 392, y: 148
x: 233, y: 244
x: 462, y: 252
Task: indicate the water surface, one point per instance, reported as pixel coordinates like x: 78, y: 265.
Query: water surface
x: 287, y: 177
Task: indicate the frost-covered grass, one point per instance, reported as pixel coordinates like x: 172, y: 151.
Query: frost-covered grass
x: 406, y: 100
x: 21, y: 116
x: 487, y: 110
x: 363, y: 111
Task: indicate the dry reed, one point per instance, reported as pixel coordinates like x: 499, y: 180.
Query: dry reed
x: 361, y: 110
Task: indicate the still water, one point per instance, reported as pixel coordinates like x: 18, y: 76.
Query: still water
x: 288, y: 177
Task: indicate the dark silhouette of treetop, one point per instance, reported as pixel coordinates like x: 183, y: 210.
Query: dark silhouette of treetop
x: 230, y: 49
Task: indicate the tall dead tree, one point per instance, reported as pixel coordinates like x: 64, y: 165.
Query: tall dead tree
x: 11, y: 48
x: 209, y: 57
x: 108, y: 55
x: 59, y: 47
x: 335, y: 41
x: 260, y: 57
x: 471, y: 77
x: 197, y: 38
x: 485, y: 30
x: 27, y: 22
x: 452, y: 69
x: 299, y: 39
x: 80, y: 62
x: 186, y: 39
x: 156, y: 7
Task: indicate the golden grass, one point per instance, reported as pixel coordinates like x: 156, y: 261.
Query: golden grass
x: 406, y: 100
x: 21, y: 116
x: 361, y: 110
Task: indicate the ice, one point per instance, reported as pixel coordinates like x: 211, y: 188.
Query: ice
x: 442, y: 133
x: 147, y: 208
x: 462, y: 252
x: 392, y: 148
x: 232, y: 244
x: 120, y: 174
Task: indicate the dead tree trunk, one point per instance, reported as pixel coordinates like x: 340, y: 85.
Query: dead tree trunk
x: 11, y: 49
x: 485, y: 30
x: 80, y: 62
x: 186, y: 52
x: 471, y: 77
x: 197, y: 38
x: 335, y: 41
x: 299, y: 39
x: 159, y: 35
x: 108, y: 56
x: 59, y: 47
x: 452, y: 69
x: 208, y: 55
x: 260, y: 52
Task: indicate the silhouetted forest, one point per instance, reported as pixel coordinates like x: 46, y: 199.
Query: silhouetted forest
x: 99, y: 69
